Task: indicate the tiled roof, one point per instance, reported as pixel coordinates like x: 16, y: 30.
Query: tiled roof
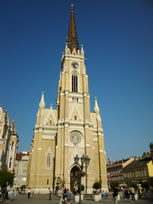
x: 140, y: 163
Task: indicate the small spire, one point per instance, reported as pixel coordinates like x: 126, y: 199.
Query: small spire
x: 42, y: 102
x: 82, y: 50
x: 96, y: 108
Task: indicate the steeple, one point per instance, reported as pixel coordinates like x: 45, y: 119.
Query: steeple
x: 72, y: 39
x: 42, y: 102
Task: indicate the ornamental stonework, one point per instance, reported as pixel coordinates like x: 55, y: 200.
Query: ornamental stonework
x: 75, y: 137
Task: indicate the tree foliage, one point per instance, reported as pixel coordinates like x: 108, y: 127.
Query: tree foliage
x: 6, y: 178
x: 96, y: 185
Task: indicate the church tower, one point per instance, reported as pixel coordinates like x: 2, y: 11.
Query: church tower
x: 69, y: 130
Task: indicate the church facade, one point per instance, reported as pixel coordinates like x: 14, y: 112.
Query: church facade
x: 69, y: 130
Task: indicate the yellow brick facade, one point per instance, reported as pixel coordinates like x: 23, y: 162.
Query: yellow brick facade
x: 69, y: 130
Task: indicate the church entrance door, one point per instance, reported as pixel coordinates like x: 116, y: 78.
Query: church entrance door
x: 74, y: 178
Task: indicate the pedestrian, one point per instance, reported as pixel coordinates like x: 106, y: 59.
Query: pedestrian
x: 60, y: 195
x: 68, y: 195
x: 29, y: 193
x: 133, y: 193
x: 115, y: 195
x: 139, y: 192
x: 127, y: 194
x: 64, y: 195
x: 50, y: 194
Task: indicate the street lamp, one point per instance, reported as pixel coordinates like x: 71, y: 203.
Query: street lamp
x: 84, y: 163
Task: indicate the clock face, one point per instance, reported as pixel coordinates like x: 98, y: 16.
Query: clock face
x: 75, y: 65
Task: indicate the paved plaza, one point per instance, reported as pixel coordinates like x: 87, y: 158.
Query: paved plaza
x: 44, y: 199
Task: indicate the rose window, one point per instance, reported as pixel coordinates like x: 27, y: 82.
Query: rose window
x: 75, y: 137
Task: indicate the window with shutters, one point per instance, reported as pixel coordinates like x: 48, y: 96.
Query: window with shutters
x: 74, y: 83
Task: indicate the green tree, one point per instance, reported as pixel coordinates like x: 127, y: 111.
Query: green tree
x: 6, y: 178
x: 97, y: 185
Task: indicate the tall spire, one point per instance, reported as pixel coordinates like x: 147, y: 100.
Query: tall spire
x: 72, y: 39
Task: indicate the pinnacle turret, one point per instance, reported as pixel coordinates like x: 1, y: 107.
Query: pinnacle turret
x: 96, y: 108
x: 42, y: 102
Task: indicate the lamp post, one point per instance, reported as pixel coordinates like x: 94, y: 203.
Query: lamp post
x: 84, y: 163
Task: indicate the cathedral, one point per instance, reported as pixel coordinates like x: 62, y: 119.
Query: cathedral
x: 69, y: 130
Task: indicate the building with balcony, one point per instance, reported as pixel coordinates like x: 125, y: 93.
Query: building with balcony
x: 21, y: 165
x: 139, y: 171
x: 114, y: 170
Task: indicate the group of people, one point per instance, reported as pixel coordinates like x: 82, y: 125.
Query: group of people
x: 129, y: 192
x: 64, y: 196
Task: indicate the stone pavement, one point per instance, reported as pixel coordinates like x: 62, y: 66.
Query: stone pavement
x: 44, y: 199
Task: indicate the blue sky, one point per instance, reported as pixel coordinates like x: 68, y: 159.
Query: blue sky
x: 118, y: 41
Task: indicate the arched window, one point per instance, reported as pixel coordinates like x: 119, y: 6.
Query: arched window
x: 50, y: 122
x: 75, y: 117
x: 74, y: 83
x: 48, y: 160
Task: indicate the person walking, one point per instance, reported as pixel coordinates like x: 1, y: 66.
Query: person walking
x: 60, y: 195
x: 115, y: 195
x: 64, y: 195
x: 68, y: 196
x: 29, y: 193
x: 50, y: 194
x: 132, y: 194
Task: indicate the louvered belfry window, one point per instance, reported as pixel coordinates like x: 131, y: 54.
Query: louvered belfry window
x: 74, y: 83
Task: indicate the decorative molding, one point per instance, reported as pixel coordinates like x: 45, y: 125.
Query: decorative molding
x: 66, y: 145
x: 49, y: 136
x: 95, y: 139
x: 66, y: 125
x: 39, y: 148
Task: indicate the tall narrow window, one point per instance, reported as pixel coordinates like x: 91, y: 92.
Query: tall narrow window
x: 10, y: 163
x: 47, y: 181
x: 74, y: 83
x: 12, y: 145
x: 48, y: 160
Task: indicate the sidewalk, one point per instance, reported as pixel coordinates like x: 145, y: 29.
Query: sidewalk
x: 44, y: 199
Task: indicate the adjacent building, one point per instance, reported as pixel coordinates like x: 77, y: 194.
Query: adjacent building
x: 21, y: 165
x: 8, y: 141
x: 134, y: 170
x: 139, y: 171
x: 68, y: 130
x: 114, y: 170
x: 151, y: 151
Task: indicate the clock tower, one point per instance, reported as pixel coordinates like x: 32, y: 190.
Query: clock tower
x: 69, y: 130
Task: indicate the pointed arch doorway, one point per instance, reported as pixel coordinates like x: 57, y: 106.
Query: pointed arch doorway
x: 75, y: 179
